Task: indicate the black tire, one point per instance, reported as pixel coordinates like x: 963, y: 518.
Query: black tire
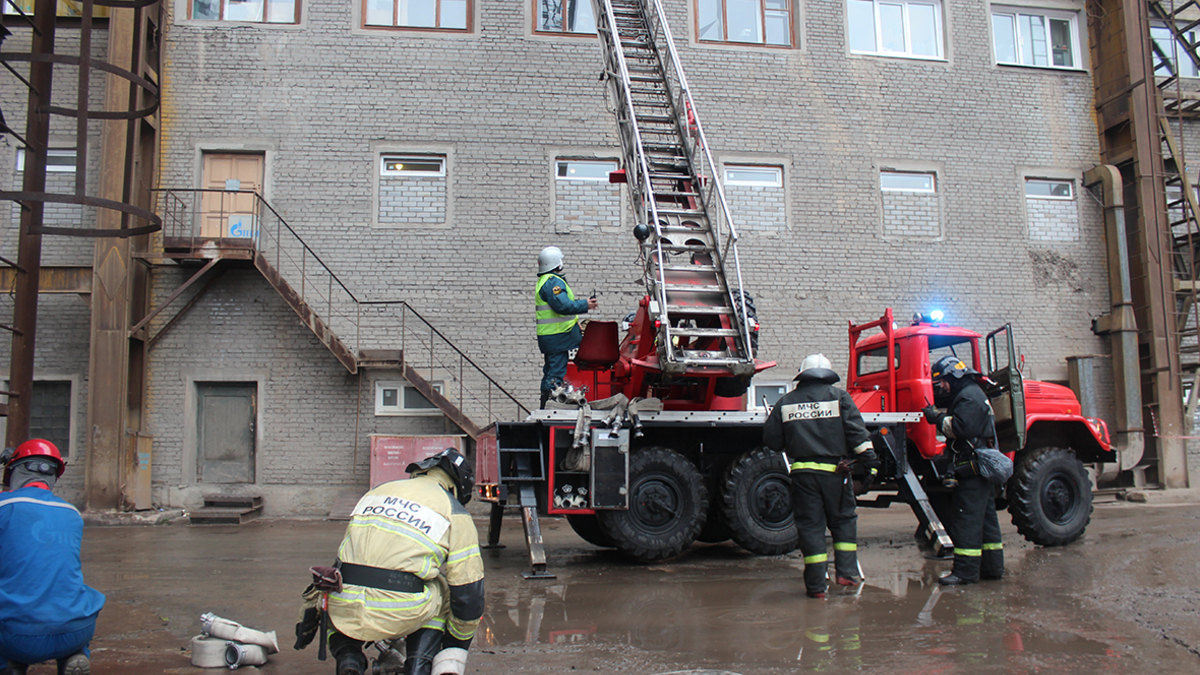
x: 667, y: 506
x: 588, y: 529
x: 1050, y: 496
x: 757, y: 503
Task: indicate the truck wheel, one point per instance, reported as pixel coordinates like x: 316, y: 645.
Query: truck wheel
x: 667, y: 505
x: 1050, y: 497
x: 588, y: 529
x: 757, y: 503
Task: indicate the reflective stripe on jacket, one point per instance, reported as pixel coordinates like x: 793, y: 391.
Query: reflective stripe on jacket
x: 550, y: 322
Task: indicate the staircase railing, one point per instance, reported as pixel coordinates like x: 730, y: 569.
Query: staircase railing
x: 379, y: 333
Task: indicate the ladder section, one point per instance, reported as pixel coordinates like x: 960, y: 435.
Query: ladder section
x: 1175, y: 54
x: 702, y: 323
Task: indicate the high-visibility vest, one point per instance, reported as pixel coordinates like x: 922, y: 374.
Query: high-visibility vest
x: 550, y: 322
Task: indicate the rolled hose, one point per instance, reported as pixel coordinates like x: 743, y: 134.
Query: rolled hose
x: 238, y: 654
x: 208, y: 652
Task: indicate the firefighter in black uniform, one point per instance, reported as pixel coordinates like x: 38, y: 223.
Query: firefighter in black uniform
x: 967, y: 424
x: 818, y: 426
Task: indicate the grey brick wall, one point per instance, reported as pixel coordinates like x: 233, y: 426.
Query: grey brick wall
x: 586, y: 203
x: 911, y: 214
x: 1052, y: 220
x: 409, y: 200
x: 757, y: 208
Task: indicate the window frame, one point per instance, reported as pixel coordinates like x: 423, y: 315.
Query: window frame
x: 939, y: 20
x: 468, y: 18
x: 753, y: 399
x: 400, y: 410
x: 266, y: 3
x: 933, y: 181
x: 1041, y: 179
x: 384, y: 157
x: 1017, y: 11
x: 537, y: 14
x: 792, y: 9
x: 1172, y: 54
x: 52, y: 152
x: 776, y: 183
x: 73, y: 389
x: 558, y: 162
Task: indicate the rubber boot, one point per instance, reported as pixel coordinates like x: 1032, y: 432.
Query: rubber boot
x: 75, y: 664
x: 545, y: 397
x: 351, y: 662
x: 421, y: 647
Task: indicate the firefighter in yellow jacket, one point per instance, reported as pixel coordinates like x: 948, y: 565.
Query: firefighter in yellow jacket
x: 410, y: 566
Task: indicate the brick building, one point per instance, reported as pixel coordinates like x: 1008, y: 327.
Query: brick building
x: 910, y: 154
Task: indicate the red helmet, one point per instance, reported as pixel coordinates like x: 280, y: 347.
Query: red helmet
x: 35, y: 447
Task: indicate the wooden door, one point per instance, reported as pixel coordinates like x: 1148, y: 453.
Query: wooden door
x: 225, y: 432
x: 229, y: 213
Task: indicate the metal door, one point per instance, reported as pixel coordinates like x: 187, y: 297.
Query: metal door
x: 225, y: 432
x: 1009, y: 402
x: 232, y: 212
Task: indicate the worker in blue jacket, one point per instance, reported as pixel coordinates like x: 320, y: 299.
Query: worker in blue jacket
x: 557, y: 311
x: 46, y: 611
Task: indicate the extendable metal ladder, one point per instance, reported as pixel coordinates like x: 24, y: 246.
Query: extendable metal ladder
x: 703, y: 324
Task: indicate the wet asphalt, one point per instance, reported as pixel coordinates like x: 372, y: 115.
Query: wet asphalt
x: 1124, y: 599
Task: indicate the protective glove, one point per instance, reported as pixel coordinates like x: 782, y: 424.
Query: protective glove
x: 931, y: 414
x: 310, y: 618
x: 872, y: 473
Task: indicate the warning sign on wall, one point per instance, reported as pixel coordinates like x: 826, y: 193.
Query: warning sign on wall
x: 390, y: 455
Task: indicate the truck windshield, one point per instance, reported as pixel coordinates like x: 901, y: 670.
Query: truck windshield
x: 960, y: 347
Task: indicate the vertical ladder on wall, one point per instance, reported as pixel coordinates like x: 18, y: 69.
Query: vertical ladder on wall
x: 691, y: 248
x: 1181, y: 18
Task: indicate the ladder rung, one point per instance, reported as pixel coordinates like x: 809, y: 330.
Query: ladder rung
x: 697, y: 309
x: 704, y: 332
x: 694, y: 288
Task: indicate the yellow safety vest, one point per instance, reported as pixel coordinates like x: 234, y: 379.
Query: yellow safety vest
x: 550, y: 322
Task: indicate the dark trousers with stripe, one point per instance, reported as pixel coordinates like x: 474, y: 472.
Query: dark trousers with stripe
x: 976, y: 530
x: 824, y: 499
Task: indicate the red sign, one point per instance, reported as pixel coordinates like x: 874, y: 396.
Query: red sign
x: 391, y: 455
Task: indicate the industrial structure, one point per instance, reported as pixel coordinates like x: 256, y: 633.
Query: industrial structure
x: 295, y: 226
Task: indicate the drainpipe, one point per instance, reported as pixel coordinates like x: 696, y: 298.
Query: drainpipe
x: 1121, y: 325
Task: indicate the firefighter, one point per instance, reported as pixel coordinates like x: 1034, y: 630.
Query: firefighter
x: 819, y: 427
x: 557, y: 319
x: 46, y: 610
x: 967, y: 424
x: 410, y: 567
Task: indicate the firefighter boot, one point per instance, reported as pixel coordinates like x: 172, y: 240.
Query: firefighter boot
x: 75, y: 664
x: 351, y: 662
x: 421, y: 647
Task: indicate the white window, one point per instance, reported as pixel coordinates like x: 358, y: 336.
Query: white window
x: 758, y: 22
x: 248, y: 11
x: 906, y: 181
x: 754, y: 176
x: 766, y: 393
x: 910, y: 28
x: 1036, y: 37
x: 445, y: 14
x: 57, y: 161
x: 401, y: 398
x: 412, y: 165
x: 584, y: 169
x: 565, y: 16
x: 1044, y: 188
x: 1170, y: 57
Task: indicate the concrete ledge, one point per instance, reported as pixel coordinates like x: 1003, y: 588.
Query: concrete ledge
x: 1175, y: 496
x: 131, y: 517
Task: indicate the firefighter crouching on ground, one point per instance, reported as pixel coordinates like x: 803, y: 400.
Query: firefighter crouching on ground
x: 410, y: 566
x: 967, y: 424
x: 556, y: 316
x: 818, y: 426
x: 46, y: 611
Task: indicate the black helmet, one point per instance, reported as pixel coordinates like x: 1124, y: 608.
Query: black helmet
x: 950, y: 366
x: 454, y: 464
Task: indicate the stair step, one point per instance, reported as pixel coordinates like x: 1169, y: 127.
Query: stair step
x: 215, y: 516
x: 233, y: 501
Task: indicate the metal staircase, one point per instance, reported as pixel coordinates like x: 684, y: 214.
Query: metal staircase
x: 688, y: 240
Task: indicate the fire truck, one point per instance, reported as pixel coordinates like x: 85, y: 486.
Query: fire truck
x: 671, y: 455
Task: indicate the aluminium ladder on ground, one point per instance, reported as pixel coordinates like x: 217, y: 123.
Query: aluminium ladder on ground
x: 702, y: 322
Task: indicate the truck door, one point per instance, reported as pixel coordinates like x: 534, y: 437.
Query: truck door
x: 1008, y: 400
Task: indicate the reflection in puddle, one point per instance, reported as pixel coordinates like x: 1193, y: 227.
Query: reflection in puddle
x: 913, y: 626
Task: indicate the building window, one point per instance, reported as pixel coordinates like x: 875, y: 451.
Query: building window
x: 911, y: 28
x: 754, y: 176
x: 64, y: 8
x: 760, y: 22
x: 443, y: 14
x: 904, y: 181
x: 50, y: 413
x: 418, y: 165
x: 247, y: 11
x: 57, y: 161
x: 565, y: 16
x: 583, y: 195
x: 582, y: 169
x: 1042, y: 188
x: 1035, y: 37
x: 1168, y: 51
x: 401, y: 398
x: 764, y: 395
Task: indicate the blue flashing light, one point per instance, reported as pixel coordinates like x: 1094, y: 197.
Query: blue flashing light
x: 936, y: 315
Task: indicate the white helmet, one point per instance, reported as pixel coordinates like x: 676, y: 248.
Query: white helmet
x: 549, y: 259
x: 815, y: 361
